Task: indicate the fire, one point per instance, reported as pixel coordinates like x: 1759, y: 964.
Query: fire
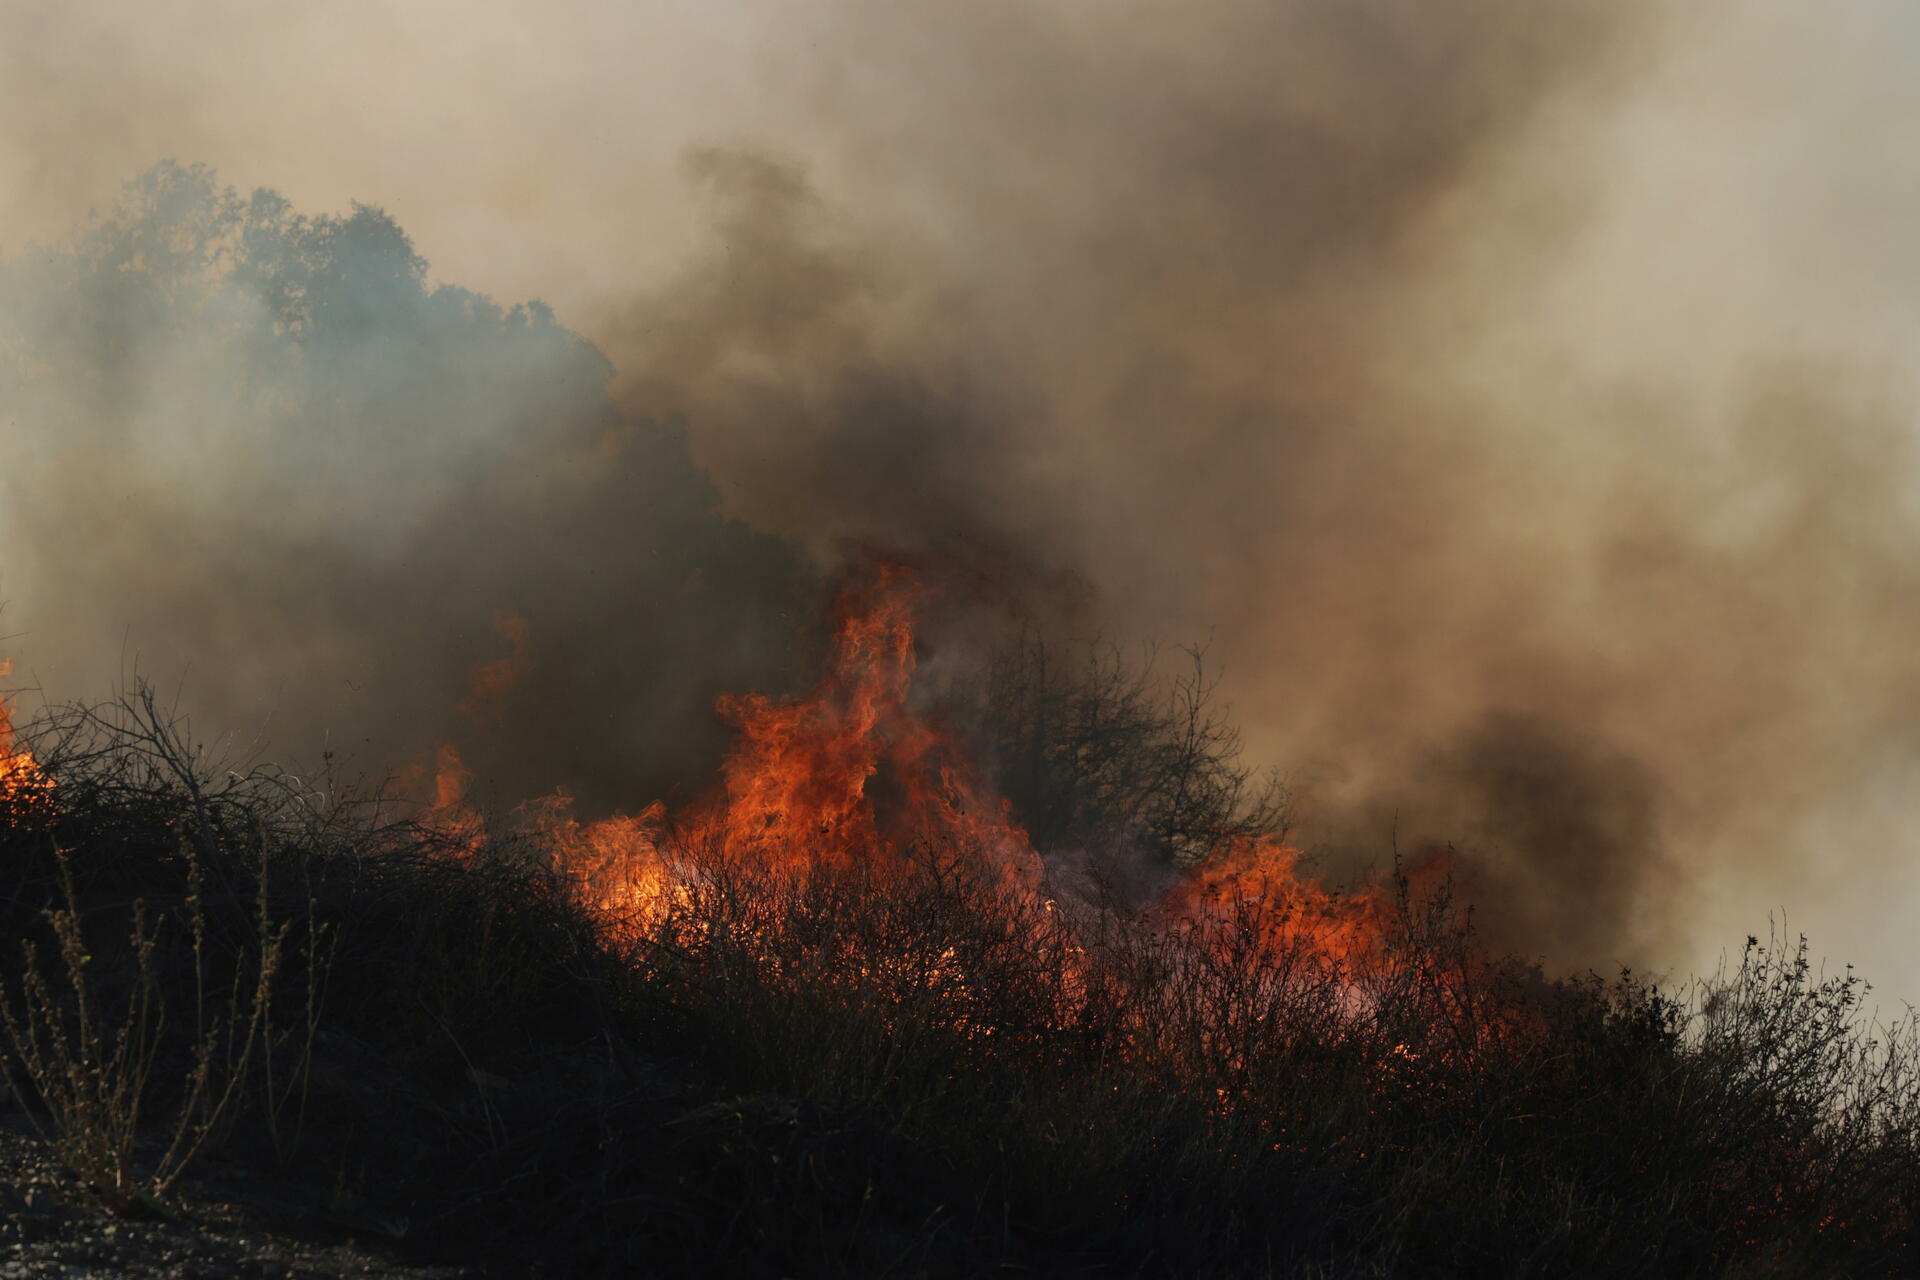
x: 490, y: 683
x: 852, y: 775
x: 855, y: 777
x: 450, y: 816
x: 1354, y: 926
x: 23, y: 783
x: 616, y: 864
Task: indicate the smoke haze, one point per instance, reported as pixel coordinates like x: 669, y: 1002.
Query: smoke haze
x: 1518, y: 395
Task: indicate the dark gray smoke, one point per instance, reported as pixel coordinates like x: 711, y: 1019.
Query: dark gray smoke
x: 1279, y: 325
x: 1515, y: 393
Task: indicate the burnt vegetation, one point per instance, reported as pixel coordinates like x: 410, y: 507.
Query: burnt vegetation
x: 225, y: 972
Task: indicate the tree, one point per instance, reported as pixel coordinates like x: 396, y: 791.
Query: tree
x: 1095, y: 750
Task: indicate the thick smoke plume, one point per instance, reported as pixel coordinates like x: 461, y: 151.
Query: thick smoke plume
x: 352, y: 507
x: 1511, y: 391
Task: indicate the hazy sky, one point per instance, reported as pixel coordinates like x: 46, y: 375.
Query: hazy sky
x: 1497, y: 383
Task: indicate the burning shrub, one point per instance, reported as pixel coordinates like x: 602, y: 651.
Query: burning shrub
x: 835, y: 1017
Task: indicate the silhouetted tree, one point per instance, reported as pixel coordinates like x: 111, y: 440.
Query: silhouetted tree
x: 1096, y: 750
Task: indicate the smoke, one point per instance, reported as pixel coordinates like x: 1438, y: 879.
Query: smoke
x: 1515, y: 394
x: 362, y: 512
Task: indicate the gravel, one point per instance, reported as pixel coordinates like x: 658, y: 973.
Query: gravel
x: 51, y: 1227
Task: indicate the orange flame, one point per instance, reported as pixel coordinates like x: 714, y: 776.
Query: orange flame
x: 1353, y: 926
x: 849, y: 776
x: 23, y: 783
x: 489, y: 683
x: 855, y: 776
x: 450, y: 816
x: 616, y: 864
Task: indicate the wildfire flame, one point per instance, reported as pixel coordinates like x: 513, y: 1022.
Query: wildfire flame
x: 489, y: 683
x: 851, y: 776
x: 1354, y: 925
x: 23, y: 783
x: 450, y: 816
x: 855, y: 776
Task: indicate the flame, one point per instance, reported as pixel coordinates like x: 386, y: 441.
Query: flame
x: 459, y: 826
x: 1291, y: 909
x: 850, y: 776
x: 490, y: 683
x: 24, y: 784
x: 855, y: 777
x: 617, y: 865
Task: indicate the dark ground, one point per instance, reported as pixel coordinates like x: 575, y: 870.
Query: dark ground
x: 231, y: 1227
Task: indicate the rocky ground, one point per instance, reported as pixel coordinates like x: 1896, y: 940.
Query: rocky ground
x: 51, y: 1227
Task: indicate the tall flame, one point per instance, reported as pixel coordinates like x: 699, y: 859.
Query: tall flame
x: 850, y: 776
x: 1354, y: 925
x: 854, y: 776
